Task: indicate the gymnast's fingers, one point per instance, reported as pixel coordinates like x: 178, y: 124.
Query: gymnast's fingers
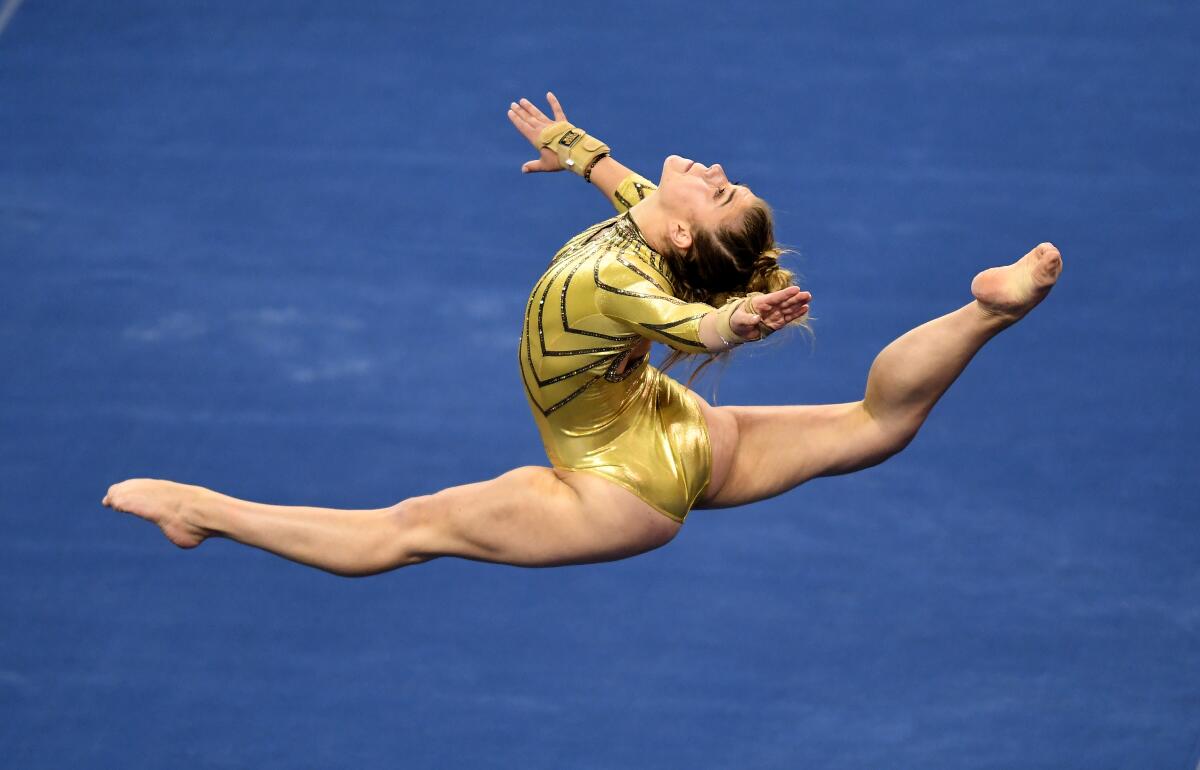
x: 528, y: 131
x: 533, y: 110
x: 555, y: 107
x: 799, y: 298
x: 517, y: 115
x: 547, y: 162
x: 515, y: 119
x: 769, y: 302
x: 794, y: 305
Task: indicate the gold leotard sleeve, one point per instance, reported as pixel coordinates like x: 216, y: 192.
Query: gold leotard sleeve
x: 629, y: 293
x: 633, y: 188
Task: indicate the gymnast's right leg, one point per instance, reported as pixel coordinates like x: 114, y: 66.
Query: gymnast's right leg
x: 530, y: 516
x: 763, y: 451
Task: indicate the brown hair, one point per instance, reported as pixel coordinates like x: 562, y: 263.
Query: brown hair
x: 729, y: 263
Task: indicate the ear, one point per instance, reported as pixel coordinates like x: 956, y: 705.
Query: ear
x: 680, y: 234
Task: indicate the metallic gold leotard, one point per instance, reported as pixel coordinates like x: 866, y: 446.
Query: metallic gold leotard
x: 605, y: 291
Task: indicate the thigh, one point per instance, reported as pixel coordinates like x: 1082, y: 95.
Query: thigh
x: 767, y: 450
x: 538, y: 517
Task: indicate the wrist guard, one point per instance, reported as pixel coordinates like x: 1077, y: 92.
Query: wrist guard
x: 576, y: 150
x: 725, y: 313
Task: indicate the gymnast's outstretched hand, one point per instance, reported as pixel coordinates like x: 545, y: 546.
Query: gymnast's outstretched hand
x: 776, y: 310
x: 531, y: 121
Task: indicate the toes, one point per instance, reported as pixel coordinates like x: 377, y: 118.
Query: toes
x: 1047, y: 250
x: 1048, y: 264
x: 116, y: 495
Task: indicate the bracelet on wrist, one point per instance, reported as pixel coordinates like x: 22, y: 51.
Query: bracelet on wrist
x: 587, y: 172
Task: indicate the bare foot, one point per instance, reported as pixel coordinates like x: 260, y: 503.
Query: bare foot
x: 170, y: 505
x: 1011, y: 291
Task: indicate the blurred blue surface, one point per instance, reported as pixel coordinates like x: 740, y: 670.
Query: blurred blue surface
x: 222, y: 226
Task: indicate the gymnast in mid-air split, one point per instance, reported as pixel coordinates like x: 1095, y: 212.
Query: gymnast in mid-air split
x: 691, y: 263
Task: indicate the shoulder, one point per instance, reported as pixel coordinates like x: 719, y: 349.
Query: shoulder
x: 632, y: 190
x: 588, y: 239
x: 628, y: 272
x: 635, y: 260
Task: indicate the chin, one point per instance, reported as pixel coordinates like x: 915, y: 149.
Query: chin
x: 675, y: 164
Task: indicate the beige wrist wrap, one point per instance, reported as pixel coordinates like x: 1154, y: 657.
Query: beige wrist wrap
x: 725, y: 313
x: 576, y: 150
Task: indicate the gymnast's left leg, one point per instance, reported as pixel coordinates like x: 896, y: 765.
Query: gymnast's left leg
x: 530, y: 516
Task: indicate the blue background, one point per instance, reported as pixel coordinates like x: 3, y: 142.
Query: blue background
x: 282, y: 250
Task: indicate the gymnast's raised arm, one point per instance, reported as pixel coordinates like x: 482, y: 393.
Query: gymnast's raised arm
x: 622, y: 186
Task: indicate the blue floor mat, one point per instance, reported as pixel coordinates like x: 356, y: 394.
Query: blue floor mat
x: 219, y: 224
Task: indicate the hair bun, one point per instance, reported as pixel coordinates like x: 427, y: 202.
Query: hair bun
x: 766, y: 263
x: 768, y: 275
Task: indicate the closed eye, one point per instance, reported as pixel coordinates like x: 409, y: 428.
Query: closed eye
x: 727, y: 200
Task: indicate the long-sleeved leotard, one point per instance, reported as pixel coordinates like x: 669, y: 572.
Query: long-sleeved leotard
x: 605, y: 291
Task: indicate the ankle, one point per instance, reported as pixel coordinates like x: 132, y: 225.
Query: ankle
x: 993, y: 319
x: 206, y: 510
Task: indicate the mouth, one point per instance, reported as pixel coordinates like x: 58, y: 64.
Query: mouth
x: 689, y: 165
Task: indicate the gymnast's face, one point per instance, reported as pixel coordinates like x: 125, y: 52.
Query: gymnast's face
x: 699, y: 197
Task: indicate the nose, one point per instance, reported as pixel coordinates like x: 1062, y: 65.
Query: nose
x: 716, y: 171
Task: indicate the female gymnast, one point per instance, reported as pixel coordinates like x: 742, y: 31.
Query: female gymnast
x: 690, y: 262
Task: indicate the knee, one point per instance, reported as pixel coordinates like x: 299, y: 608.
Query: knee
x: 447, y: 522
x: 413, y: 524
x: 892, y: 433
x: 386, y: 539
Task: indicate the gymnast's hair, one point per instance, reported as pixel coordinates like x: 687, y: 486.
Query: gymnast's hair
x: 728, y: 263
